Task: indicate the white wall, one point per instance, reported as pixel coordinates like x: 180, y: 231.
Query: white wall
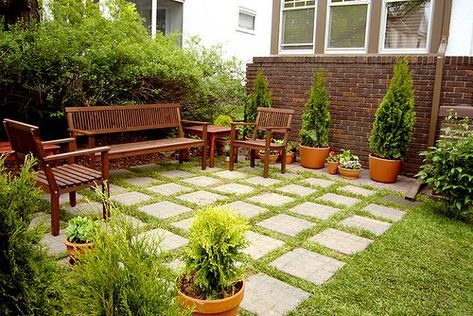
x: 216, y: 21
x: 460, y: 41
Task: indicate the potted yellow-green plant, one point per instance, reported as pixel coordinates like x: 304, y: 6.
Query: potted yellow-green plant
x: 80, y: 233
x: 212, y: 282
x: 224, y: 121
x: 350, y: 166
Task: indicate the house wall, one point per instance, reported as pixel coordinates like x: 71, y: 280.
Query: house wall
x: 460, y: 42
x: 216, y: 22
x: 356, y: 85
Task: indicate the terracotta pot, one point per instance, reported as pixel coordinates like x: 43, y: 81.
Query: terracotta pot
x: 332, y: 167
x: 313, y: 157
x: 225, y: 307
x: 350, y: 174
x: 75, y: 250
x: 272, y: 158
x: 384, y: 170
x: 290, y: 158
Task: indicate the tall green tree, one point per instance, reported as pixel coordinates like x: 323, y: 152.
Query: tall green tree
x: 316, y: 117
x: 260, y: 97
x: 395, y: 116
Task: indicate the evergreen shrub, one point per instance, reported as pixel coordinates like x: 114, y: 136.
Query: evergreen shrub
x: 395, y: 116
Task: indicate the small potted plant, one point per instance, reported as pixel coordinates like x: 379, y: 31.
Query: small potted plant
x: 212, y: 282
x: 80, y: 233
x: 314, y: 146
x: 273, y: 154
x: 291, y: 150
x: 350, y: 166
x: 223, y: 121
x: 226, y: 153
x: 332, y: 162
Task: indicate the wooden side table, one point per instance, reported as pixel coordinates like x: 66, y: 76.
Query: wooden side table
x: 213, y: 132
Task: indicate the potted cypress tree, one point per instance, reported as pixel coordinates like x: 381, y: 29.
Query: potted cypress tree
x: 260, y: 97
x: 314, y: 147
x: 212, y: 282
x: 393, y: 125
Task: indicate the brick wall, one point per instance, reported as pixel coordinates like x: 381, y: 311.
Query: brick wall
x: 356, y: 85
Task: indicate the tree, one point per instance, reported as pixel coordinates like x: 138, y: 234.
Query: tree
x: 260, y: 97
x: 13, y: 11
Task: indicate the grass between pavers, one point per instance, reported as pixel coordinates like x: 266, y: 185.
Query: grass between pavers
x: 374, y: 270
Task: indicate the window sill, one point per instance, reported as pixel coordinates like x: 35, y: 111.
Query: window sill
x: 246, y: 31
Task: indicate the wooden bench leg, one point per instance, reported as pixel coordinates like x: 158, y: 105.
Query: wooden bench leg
x: 283, y: 161
x: 252, y: 158
x: 266, y: 165
x: 204, y: 157
x: 105, y: 201
x: 72, y: 199
x: 54, y: 214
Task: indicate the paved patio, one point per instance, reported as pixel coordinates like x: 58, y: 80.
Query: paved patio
x: 306, y: 224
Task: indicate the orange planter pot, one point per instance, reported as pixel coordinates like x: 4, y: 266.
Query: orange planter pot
x: 290, y: 157
x: 76, y: 250
x: 384, y: 170
x: 225, y: 307
x: 272, y: 158
x: 312, y: 157
x: 350, y: 174
x: 332, y: 167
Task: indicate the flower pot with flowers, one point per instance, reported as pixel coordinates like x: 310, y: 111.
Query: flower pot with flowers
x: 350, y: 166
x: 333, y: 162
x: 291, y: 152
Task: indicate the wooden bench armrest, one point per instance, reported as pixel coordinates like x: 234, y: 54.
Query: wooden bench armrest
x: 269, y: 129
x: 243, y: 123
x: 82, y: 133
x: 59, y: 141
x: 188, y: 122
x: 77, y: 153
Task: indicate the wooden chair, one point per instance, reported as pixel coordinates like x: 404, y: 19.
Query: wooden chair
x: 54, y: 177
x: 271, y: 121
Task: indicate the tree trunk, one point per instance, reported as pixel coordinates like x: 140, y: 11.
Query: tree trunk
x: 13, y: 11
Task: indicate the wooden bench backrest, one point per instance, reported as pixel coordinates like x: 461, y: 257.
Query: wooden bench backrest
x: 123, y: 118
x: 24, y: 139
x: 272, y: 117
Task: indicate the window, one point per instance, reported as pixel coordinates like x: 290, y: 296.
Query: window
x: 406, y: 25
x: 246, y: 21
x: 297, y: 25
x: 347, y: 25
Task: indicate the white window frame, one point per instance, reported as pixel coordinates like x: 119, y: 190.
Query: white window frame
x: 348, y: 50
x: 296, y: 51
x: 247, y: 12
x: 382, y: 33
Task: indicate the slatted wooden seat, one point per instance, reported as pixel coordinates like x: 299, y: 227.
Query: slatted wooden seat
x: 270, y: 121
x: 96, y: 120
x: 67, y: 178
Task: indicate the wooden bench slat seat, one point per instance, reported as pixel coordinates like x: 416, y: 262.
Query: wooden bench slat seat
x: 70, y: 176
x: 97, y: 120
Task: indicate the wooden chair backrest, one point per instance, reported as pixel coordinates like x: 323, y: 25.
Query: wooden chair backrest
x: 24, y: 139
x: 123, y: 118
x: 272, y: 117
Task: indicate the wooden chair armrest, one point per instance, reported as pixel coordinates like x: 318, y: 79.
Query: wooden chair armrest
x: 243, y: 123
x: 77, y: 153
x: 59, y: 141
x: 274, y: 127
x: 188, y: 122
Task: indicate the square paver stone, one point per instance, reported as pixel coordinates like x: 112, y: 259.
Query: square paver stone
x: 86, y: 208
x: 54, y: 244
x: 227, y: 174
x: 318, y: 182
x: 40, y: 218
x: 141, y: 181
x: 339, y: 199
x: 122, y: 173
x: 315, y: 210
x: 287, y: 175
x: 234, y: 188
x: 167, y: 241
x: 372, y: 225
x: 130, y: 198
x: 357, y: 190
x: 115, y: 189
x: 246, y: 209
x: 265, y: 295
x: 285, y: 224
x: 341, y: 241
x: 271, y: 199
x: 399, y: 200
x: 201, y: 197
x: 164, y: 209
x: 267, y: 182
x: 169, y: 189
x: 135, y: 222
x: 385, y: 212
x: 184, y: 224
x: 260, y: 245
x: 176, y: 174
x: 201, y: 181
x: 63, y: 198
x: 308, y: 265
x: 297, y: 190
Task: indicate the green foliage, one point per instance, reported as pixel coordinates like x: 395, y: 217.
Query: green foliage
x: 80, y: 230
x: 348, y: 160
x: 217, y: 237
x: 223, y: 120
x: 395, y: 116
x: 333, y: 157
x: 123, y: 275
x: 29, y: 279
x: 316, y: 117
x: 260, y: 97
x: 291, y: 147
x: 226, y: 150
x: 448, y: 168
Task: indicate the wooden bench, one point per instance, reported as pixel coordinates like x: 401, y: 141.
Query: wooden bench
x: 96, y: 120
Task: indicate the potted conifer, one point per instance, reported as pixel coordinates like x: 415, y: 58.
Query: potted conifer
x: 393, y: 125
x: 213, y: 282
x: 79, y: 233
x: 314, y: 147
x: 260, y: 97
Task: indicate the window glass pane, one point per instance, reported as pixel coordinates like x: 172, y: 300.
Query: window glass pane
x: 298, y: 26
x: 144, y: 9
x: 407, y: 24
x: 347, y: 26
x: 246, y: 21
x: 161, y: 21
